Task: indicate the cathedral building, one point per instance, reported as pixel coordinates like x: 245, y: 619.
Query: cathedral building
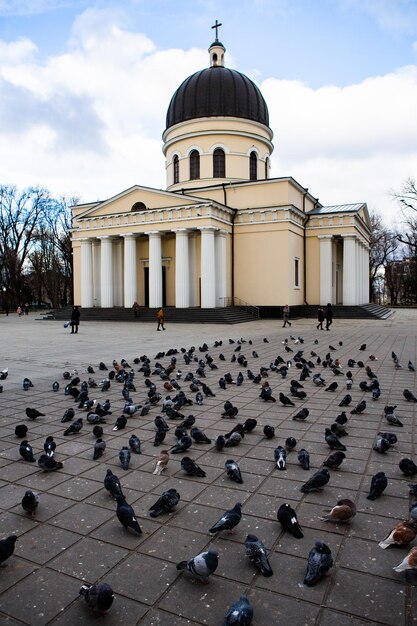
x: 223, y: 231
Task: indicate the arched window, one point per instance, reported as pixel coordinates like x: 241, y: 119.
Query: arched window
x: 176, y: 164
x: 253, y: 166
x: 194, y: 165
x: 266, y: 167
x: 219, y: 163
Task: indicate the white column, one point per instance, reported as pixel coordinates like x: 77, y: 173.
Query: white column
x: 117, y: 272
x: 192, y: 256
x: 326, y: 259
x: 182, y: 273
x: 155, y: 269
x: 361, y: 267
x: 86, y: 273
x: 96, y: 272
x: 366, y: 279
x: 349, y: 270
x: 220, y: 252
x: 208, y: 268
x: 106, y: 273
x: 130, y: 271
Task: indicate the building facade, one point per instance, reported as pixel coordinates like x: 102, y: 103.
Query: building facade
x: 223, y: 231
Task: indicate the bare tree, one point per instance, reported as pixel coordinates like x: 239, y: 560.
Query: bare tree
x: 382, y: 246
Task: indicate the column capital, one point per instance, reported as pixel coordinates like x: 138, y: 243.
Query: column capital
x: 350, y: 236
x: 105, y: 238
x: 180, y: 231
x: 221, y: 232
x: 325, y: 236
x: 129, y: 235
x: 207, y: 229
x: 153, y: 233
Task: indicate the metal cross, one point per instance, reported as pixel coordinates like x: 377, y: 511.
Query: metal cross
x: 216, y: 26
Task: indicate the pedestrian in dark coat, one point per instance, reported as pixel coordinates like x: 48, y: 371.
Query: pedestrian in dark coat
x: 75, y: 320
x: 286, y: 316
x: 320, y: 318
x: 328, y: 314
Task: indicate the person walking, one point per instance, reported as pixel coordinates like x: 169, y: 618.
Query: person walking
x: 160, y: 316
x: 135, y: 308
x: 286, y: 316
x: 328, y: 314
x: 320, y: 318
x: 75, y: 320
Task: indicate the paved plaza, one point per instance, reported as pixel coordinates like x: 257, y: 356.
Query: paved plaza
x: 75, y: 536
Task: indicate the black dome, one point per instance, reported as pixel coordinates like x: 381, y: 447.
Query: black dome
x: 217, y: 91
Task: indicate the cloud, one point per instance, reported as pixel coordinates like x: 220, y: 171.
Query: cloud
x: 88, y: 122
x: 393, y: 16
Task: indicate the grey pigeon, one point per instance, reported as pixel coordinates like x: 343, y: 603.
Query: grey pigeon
x: 280, y: 456
x: 68, y: 415
x: 316, y: 482
x: 220, y: 443
x: 202, y: 565
x: 32, y: 414
x: 98, y: 597
x: 112, y: 484
x: 234, y: 440
x: 233, y: 471
x: 239, y: 614
x: 228, y: 520
x: 134, y: 443
x: 74, y: 428
x: 99, y: 448
x: 49, y: 446
x: 124, y: 457
x: 7, y: 548
x: 49, y: 464
x: 26, y: 451
x: 319, y: 562
x: 166, y: 503
x: 287, y: 517
x: 304, y: 458
x: 30, y: 502
x: 257, y: 554
x: 379, y: 483
x: 126, y: 515
x: 191, y: 468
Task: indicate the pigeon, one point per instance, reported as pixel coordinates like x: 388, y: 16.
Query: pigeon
x: 393, y: 420
x: 338, y: 429
x: 346, y: 400
x: 74, y: 428
x: 285, y: 401
x: 161, y: 424
x: 166, y: 503
x: 290, y: 443
x: 21, y: 431
x: 379, y: 483
x: 182, y: 445
x: 316, y: 482
x: 126, y: 515
x: 7, y: 548
x: 234, y: 440
x: 408, y: 467
x: 32, y: 414
x: 68, y: 415
x: 134, y: 443
x: 191, y: 468
x: 287, y: 517
x: 162, y: 462
x: 344, y: 511
x: 27, y: 383
x: 249, y: 425
x: 304, y: 458
x: 49, y: 446
x: 257, y: 554
x: 302, y: 414
x: 98, y: 597
x: 112, y: 484
x: 202, y: 565
x: 233, y: 471
x: 332, y: 441
x: 49, y: 464
x: 280, y: 456
x: 95, y: 418
x: 409, y: 396
x: 120, y: 423
x: 359, y: 408
x: 410, y: 561
x: 228, y: 520
x: 30, y: 502
x: 124, y: 457
x: 188, y: 422
x: 319, y: 563
x: 402, y: 534
x: 382, y: 445
x: 390, y: 437
x: 159, y: 437
x: 220, y: 443
x: 269, y: 431
x: 413, y: 489
x: 363, y: 347
x: 99, y: 448
x: 332, y: 387
x: 411, y: 366
x: 239, y: 614
x: 198, y: 435
x: 334, y: 460
x: 229, y: 410
x: 4, y: 373
x: 26, y: 451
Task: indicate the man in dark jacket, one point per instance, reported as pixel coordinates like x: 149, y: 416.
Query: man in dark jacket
x: 328, y: 314
x: 75, y: 320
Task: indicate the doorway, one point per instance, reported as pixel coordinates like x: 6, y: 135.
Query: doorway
x: 146, y: 285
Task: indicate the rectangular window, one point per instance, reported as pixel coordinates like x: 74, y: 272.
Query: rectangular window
x: 296, y: 272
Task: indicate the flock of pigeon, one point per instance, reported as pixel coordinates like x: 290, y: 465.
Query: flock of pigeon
x: 171, y: 396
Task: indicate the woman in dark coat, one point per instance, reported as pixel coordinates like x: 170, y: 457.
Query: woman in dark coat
x: 75, y: 320
x: 328, y: 314
x: 320, y: 318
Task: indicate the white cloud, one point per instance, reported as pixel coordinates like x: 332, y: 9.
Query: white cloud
x: 89, y: 122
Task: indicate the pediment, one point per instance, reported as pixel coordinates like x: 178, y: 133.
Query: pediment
x: 139, y: 198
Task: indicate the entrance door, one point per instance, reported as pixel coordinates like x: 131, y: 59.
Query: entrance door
x: 146, y: 285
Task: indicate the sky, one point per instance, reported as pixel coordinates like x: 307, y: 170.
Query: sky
x: 85, y: 86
